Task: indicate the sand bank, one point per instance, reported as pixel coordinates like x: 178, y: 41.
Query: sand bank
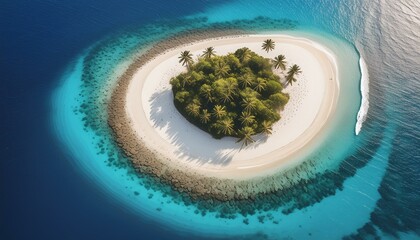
x: 161, y: 142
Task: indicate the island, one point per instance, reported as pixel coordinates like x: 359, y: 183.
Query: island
x: 170, y: 129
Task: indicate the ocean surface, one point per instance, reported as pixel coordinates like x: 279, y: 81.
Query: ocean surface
x: 61, y: 176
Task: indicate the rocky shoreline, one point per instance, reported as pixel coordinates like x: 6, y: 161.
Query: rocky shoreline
x: 150, y: 162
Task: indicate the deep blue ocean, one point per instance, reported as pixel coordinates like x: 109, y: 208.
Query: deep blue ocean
x: 50, y: 189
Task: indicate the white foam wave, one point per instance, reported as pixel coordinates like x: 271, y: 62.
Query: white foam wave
x: 364, y: 90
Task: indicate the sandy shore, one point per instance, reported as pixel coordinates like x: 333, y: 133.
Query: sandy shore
x: 150, y: 108
x: 161, y: 142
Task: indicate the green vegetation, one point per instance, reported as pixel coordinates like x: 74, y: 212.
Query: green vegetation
x: 234, y: 95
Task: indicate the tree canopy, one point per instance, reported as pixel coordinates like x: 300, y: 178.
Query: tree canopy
x: 234, y: 95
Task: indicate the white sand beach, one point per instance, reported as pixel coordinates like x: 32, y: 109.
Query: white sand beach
x: 158, y: 124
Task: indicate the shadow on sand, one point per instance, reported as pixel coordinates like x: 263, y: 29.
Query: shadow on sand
x: 192, y: 143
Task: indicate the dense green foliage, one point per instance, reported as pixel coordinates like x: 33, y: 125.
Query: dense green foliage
x: 233, y: 95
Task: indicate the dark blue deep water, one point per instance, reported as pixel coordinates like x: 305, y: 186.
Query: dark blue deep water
x: 42, y: 195
x: 45, y: 195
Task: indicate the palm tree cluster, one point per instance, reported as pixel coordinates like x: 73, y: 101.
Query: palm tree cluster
x: 294, y: 70
x: 233, y: 95
x: 280, y: 62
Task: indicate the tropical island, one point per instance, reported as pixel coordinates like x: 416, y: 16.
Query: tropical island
x: 150, y: 106
x: 235, y: 95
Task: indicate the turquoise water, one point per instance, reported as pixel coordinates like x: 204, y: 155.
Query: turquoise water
x: 346, y: 171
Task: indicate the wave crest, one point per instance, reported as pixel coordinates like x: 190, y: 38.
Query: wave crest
x: 364, y: 90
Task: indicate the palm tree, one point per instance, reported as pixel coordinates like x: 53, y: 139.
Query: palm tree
x: 221, y: 69
x: 209, y: 52
x: 219, y: 111
x: 227, y: 97
x: 229, y: 89
x: 293, y: 70
x: 207, y: 92
x: 243, y: 54
x: 247, y: 118
x: 268, y: 45
x: 186, y: 58
x: 246, y: 80
x: 193, y: 109
x: 249, y: 104
x: 205, y: 116
x: 225, y: 126
x: 280, y: 62
x: 261, y: 84
x: 186, y: 80
x: 267, y: 127
x: 246, y: 136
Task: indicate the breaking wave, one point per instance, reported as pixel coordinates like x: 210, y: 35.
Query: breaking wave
x: 364, y: 91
